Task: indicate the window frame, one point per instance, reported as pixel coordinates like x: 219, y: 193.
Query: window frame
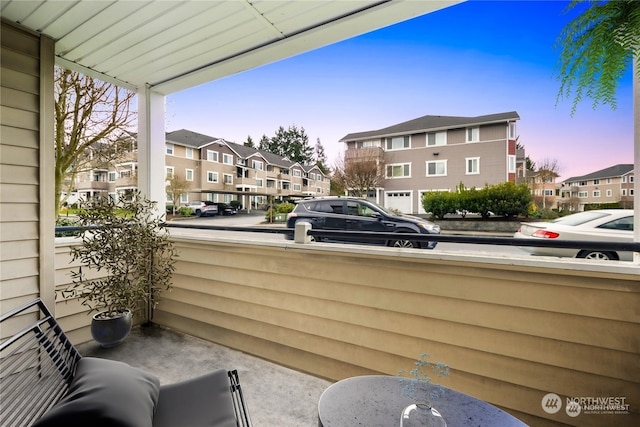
x: 226, y: 157
x: 395, y: 165
x: 188, y: 153
x: 436, y: 163
x: 437, y: 142
x: 225, y: 179
x: 214, y: 175
x: 467, y: 164
x: 406, y: 143
x: 474, y: 136
x: 169, y: 149
x: 213, y: 153
x: 186, y: 174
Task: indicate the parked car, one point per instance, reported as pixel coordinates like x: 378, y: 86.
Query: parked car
x: 606, y: 225
x: 203, y: 208
x: 354, y: 214
x: 225, y: 209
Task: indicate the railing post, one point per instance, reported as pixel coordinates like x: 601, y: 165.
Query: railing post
x: 300, y: 235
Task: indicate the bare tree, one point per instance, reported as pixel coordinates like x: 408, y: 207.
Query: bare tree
x: 548, y: 171
x: 176, y: 186
x: 92, y: 120
x: 359, y: 171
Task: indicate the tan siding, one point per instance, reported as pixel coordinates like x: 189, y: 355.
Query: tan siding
x: 510, y: 332
x: 19, y: 163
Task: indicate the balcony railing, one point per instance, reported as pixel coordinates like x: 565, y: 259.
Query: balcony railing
x: 512, y: 329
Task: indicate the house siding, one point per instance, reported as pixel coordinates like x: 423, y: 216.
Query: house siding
x: 21, y: 269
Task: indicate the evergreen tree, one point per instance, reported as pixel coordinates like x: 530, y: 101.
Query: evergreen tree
x: 292, y: 143
x: 320, y: 157
x: 249, y: 142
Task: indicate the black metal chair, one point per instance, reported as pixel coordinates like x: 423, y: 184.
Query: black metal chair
x: 38, y: 364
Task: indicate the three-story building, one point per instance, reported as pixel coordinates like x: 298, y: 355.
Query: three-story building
x: 438, y: 153
x: 216, y: 170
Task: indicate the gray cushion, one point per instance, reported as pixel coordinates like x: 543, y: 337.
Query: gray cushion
x: 106, y: 393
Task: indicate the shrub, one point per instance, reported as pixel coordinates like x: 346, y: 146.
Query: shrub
x: 440, y: 203
x: 508, y: 199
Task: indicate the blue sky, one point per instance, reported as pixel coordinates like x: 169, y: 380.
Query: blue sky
x: 471, y: 59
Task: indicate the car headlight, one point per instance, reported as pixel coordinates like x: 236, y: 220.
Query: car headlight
x: 431, y: 228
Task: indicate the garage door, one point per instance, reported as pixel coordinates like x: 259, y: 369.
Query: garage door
x: 400, y: 200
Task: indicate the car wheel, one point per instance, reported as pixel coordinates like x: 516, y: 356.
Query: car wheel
x: 598, y: 255
x: 198, y: 212
x: 403, y: 243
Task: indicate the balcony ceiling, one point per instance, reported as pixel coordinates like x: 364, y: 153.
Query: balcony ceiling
x: 175, y: 45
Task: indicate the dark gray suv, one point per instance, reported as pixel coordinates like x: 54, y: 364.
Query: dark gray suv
x: 354, y: 214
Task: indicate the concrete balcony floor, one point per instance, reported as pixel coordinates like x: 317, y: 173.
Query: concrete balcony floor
x: 275, y: 395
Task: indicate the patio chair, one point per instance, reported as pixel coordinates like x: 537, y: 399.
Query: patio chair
x: 45, y: 381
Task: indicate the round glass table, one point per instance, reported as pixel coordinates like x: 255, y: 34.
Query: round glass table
x: 378, y: 400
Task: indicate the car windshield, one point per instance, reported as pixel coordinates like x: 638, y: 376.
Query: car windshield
x: 580, y: 218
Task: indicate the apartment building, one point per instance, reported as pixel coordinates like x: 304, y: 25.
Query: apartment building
x: 438, y: 153
x: 216, y: 170
x: 606, y: 186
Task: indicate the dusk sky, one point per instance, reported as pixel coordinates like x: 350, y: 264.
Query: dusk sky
x: 471, y: 59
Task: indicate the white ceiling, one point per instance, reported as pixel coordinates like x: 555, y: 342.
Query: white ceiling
x: 175, y: 45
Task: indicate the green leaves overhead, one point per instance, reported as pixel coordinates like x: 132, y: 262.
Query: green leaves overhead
x: 597, y: 48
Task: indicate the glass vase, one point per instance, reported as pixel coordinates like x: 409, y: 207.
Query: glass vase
x: 421, y: 414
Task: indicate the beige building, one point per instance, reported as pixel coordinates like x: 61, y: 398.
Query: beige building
x: 216, y: 170
x: 607, y: 186
x: 438, y: 153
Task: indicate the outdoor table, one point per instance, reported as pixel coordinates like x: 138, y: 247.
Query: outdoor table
x: 378, y: 400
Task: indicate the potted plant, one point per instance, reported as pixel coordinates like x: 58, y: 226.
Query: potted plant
x: 129, y: 255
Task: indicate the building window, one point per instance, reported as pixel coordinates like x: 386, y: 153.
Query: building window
x: 228, y: 178
x: 259, y: 182
x: 582, y: 183
x: 583, y: 194
x: 631, y: 191
x: 169, y: 172
x: 399, y: 171
x: 596, y: 182
x: 437, y: 168
x: 212, y: 156
x: 169, y: 149
x: 624, y: 191
x: 184, y: 198
x: 257, y: 165
x: 212, y: 177
x: 227, y: 159
x: 512, y: 130
x: 548, y: 192
x: 624, y: 179
x: 112, y: 176
x: 472, y: 165
x: 630, y: 178
x: 189, y: 174
x: 473, y: 134
x: 596, y: 193
x: 398, y: 143
x: 436, y: 138
x: 189, y: 153
x: 296, y: 172
x: 511, y: 164
x: 609, y: 193
x: 297, y: 187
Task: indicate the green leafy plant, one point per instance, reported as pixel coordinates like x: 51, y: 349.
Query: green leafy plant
x: 423, y: 371
x: 128, y: 251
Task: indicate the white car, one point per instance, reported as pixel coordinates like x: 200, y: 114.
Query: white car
x: 605, y: 225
